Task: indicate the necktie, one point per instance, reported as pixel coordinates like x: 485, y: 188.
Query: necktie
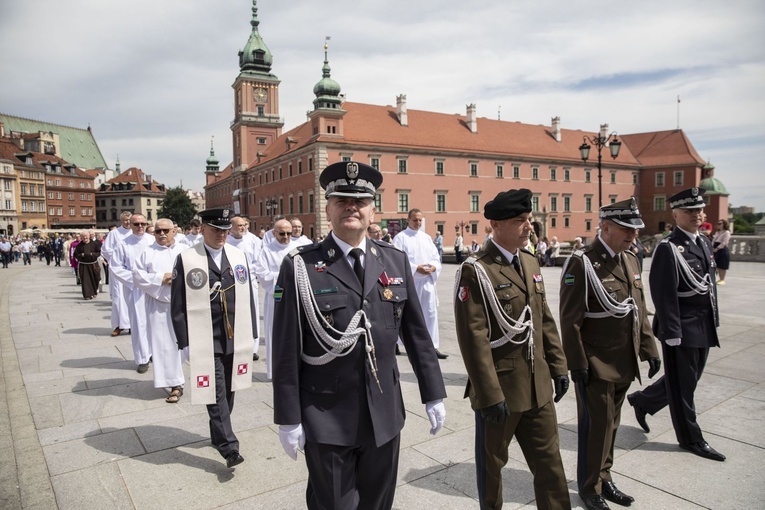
x: 517, y: 265
x: 357, y: 267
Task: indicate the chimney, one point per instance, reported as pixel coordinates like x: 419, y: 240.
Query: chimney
x: 472, y: 122
x: 2, y: 130
x: 604, y: 132
x: 401, y: 109
x: 556, y: 128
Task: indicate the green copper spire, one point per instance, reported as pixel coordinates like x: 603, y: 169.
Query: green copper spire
x: 327, y: 90
x: 255, y: 57
x: 212, y: 161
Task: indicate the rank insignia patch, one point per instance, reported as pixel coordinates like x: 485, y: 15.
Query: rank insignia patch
x: 241, y: 273
x: 569, y: 279
x: 196, y: 279
x: 331, y: 253
x: 203, y: 381
x: 278, y: 293
x: 242, y: 369
x: 463, y: 294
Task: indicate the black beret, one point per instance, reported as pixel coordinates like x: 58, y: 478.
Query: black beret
x: 508, y: 204
x: 350, y: 179
x: 691, y: 198
x: 218, y: 218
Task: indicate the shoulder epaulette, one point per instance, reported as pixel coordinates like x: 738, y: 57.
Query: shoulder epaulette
x: 578, y: 253
x: 302, y: 249
x: 470, y: 260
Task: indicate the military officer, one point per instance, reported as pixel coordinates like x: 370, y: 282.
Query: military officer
x: 211, y: 297
x: 340, y: 305
x: 685, y: 294
x: 605, y: 331
x: 512, y: 352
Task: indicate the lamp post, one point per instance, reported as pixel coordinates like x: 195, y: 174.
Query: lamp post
x: 271, y: 207
x: 461, y: 225
x: 599, y: 142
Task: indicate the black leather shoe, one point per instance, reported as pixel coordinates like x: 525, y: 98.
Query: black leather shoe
x: 398, y: 350
x: 255, y: 356
x: 595, y: 502
x: 142, y: 368
x: 639, y: 413
x: 614, y: 495
x: 234, y: 459
x: 702, y: 449
x: 441, y: 355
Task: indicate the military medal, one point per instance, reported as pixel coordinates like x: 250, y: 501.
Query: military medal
x: 388, y: 294
x: 320, y: 266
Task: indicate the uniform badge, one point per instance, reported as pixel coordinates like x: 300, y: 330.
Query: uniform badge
x: 398, y: 312
x: 331, y: 253
x: 278, y: 293
x: 320, y: 266
x: 352, y: 170
x: 503, y: 286
x: 196, y: 279
x: 537, y: 278
x: 569, y: 279
x: 242, y: 369
x: 225, y: 213
x: 508, y: 309
x: 373, y: 250
x: 175, y: 273
x: 498, y: 259
x: 203, y: 381
x: 230, y: 272
x: 637, y: 284
x: 636, y: 276
x: 319, y: 292
x: 680, y: 249
x: 596, y: 265
x: 241, y: 273
x: 463, y: 294
x: 603, y: 256
x: 388, y: 294
x: 329, y: 319
x: 695, y: 192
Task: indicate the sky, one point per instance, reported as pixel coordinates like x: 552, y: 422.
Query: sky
x: 153, y: 78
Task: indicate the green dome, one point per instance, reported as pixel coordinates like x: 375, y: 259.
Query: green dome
x: 327, y: 90
x: 713, y: 186
x: 212, y: 160
x: 255, y: 56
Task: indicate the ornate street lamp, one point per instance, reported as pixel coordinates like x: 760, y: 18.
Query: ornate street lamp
x: 461, y: 225
x: 599, y: 142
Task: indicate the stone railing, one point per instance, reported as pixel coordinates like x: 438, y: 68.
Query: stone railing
x: 747, y: 248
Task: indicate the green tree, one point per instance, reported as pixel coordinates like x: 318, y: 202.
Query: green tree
x: 177, y: 206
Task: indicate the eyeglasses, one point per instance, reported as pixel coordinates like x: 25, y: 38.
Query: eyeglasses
x: 140, y: 224
x: 160, y: 231
x: 282, y: 234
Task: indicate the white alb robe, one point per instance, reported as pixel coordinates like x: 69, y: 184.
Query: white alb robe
x: 267, y: 269
x: 150, y: 269
x: 123, y: 263
x: 420, y: 249
x: 120, y: 313
x: 190, y: 240
x: 251, y: 245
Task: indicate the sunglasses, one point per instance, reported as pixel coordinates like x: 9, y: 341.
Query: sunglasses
x: 283, y: 234
x: 160, y: 231
x: 140, y: 224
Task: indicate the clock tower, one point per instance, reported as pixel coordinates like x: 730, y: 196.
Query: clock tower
x: 256, y: 100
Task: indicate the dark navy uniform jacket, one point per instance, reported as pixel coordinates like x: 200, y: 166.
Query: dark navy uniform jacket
x: 340, y: 403
x: 690, y: 318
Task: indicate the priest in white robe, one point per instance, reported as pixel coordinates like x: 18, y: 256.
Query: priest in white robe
x: 267, y: 269
x: 251, y: 245
x: 123, y: 263
x: 153, y: 275
x: 426, y: 267
x: 120, y: 314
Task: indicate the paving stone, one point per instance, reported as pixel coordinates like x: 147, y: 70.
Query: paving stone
x: 92, y: 451
x: 92, y: 488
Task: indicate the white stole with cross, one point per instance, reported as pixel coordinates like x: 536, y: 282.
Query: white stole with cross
x: 198, y: 320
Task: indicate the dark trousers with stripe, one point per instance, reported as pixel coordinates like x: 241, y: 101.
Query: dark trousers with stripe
x: 537, y: 433
x: 599, y: 407
x: 683, y: 367
x: 350, y: 477
x: 221, y: 432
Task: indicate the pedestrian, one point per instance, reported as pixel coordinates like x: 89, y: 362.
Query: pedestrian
x: 682, y: 281
x: 267, y: 268
x: 458, y: 247
x: 193, y: 237
x: 26, y: 251
x: 426, y: 267
x: 120, y: 313
x: 58, y: 249
x: 251, y: 245
x: 439, y: 242
x: 214, y: 315
x: 297, y: 232
x: 541, y: 251
x: 122, y: 263
x: 639, y: 249
x: 374, y: 231
x: 721, y: 251
x: 5, y: 251
x: 474, y: 247
x: 386, y: 236
x: 605, y: 333
x: 553, y: 251
x: 340, y: 306
x: 87, y: 253
x: 73, y: 261
x: 153, y: 275
x: 513, y: 356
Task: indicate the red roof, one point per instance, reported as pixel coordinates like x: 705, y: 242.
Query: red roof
x: 135, y: 176
x: 663, y: 148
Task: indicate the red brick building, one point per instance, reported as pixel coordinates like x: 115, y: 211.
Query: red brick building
x: 70, y: 192
x: 447, y: 165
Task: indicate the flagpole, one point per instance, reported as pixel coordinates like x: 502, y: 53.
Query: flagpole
x: 678, y: 112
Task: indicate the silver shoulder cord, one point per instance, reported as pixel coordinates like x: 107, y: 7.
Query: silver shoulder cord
x: 698, y: 285
x: 335, y: 348
x: 510, y: 327
x: 611, y: 307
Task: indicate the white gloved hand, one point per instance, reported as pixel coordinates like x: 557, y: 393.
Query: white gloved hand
x: 673, y: 342
x: 437, y: 415
x: 292, y: 439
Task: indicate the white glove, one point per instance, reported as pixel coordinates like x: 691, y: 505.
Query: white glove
x: 437, y: 415
x: 673, y: 342
x: 292, y: 439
